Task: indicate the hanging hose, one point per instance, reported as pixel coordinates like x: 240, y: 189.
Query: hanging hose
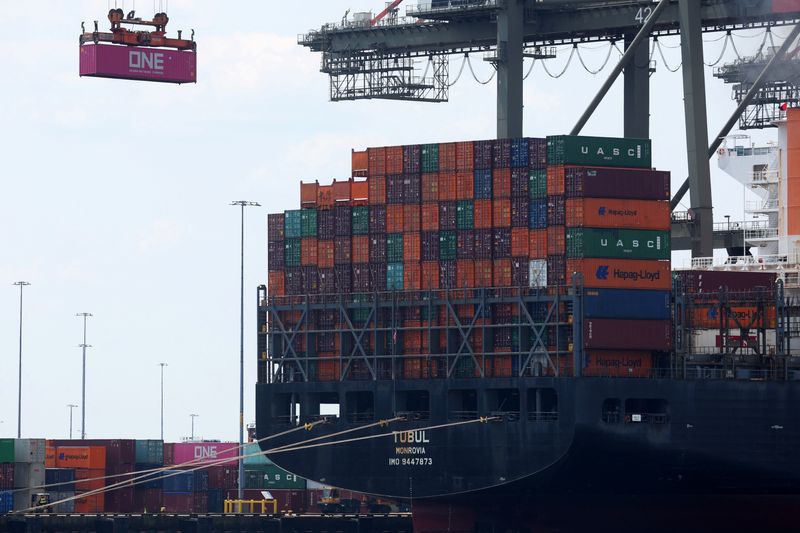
x: 569, y: 60
x: 476, y: 77
x: 595, y: 72
x: 460, y: 71
x: 722, y: 53
x: 666, y: 65
x: 530, y: 69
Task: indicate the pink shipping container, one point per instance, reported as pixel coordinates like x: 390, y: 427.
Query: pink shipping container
x: 138, y: 63
x: 206, y: 452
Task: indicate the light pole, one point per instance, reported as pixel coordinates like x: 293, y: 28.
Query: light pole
x: 83, y: 375
x: 71, y: 406
x: 162, y: 365
x: 20, y: 284
x: 242, y: 204
x: 193, y: 417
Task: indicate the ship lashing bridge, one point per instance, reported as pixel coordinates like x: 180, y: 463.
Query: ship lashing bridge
x: 377, y: 61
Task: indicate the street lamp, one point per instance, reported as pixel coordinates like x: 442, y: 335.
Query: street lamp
x: 162, y: 365
x: 242, y: 204
x: 193, y: 417
x: 20, y: 284
x: 83, y: 375
x: 71, y: 406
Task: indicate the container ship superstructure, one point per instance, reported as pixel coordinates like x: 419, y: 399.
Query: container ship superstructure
x: 496, y: 327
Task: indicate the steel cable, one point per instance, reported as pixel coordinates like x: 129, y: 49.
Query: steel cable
x: 664, y: 59
x: 469, y: 62
x: 735, y: 51
x: 722, y: 53
x: 569, y: 60
x: 595, y: 72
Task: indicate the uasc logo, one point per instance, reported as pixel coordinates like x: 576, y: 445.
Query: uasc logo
x: 146, y: 60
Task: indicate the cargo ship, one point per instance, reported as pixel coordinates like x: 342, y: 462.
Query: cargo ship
x: 493, y: 330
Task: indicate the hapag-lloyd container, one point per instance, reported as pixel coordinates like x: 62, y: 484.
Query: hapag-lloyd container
x: 206, y: 452
x: 599, y: 151
x: 618, y: 243
x: 714, y: 316
x: 613, y: 363
x: 626, y: 303
x: 138, y: 63
x: 621, y: 273
x: 609, y: 182
x: 81, y: 457
x: 616, y: 213
x: 601, y: 333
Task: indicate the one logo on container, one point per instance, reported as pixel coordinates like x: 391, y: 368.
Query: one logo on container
x: 144, y: 60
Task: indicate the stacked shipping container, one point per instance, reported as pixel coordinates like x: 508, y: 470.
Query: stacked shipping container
x: 6, y: 475
x: 512, y: 213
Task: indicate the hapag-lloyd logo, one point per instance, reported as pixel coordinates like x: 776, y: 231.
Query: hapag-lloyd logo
x: 603, y: 211
x: 604, y: 272
x: 145, y: 60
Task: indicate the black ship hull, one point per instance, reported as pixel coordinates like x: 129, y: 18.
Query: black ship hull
x: 561, y: 440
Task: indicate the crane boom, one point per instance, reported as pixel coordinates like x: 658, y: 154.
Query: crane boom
x: 385, y: 12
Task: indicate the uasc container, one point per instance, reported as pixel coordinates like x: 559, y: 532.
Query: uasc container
x: 599, y: 151
x: 618, y: 243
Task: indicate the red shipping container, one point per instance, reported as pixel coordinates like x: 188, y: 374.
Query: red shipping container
x: 447, y: 157
x: 501, y: 213
x: 412, y: 276
x: 329, y: 369
x: 394, y: 160
x: 90, y: 479
x: 430, y: 275
x: 395, y: 215
x: 377, y: 190
x: 465, y: 244
x: 90, y: 504
x: 169, y: 447
x: 342, y: 251
x: 430, y: 187
x: 618, y: 363
x: 501, y: 183
x: 377, y: 161
x: 621, y: 273
x: 785, y: 6
x: 147, y: 500
x: 308, y: 195
x: 274, y: 288
x: 206, y: 452
x: 430, y: 216
x: 325, y: 254
x: 138, y: 63
x: 200, y: 502
x: 555, y: 180
x: 627, y: 334
x: 411, y: 218
x: 520, y: 242
x: 464, y: 186
x: 702, y: 282
x: 359, y: 192
x: 464, y: 156
x: 7, y: 476
x: 483, y: 273
x: 411, y: 246
x: 482, y: 214
x: 501, y: 365
x: 360, y: 249
x: 556, y: 240
x: 465, y: 274
x: 502, y: 273
x: 538, y: 244
x: 609, y: 182
x: 120, y: 501
x: 178, y: 502
x: 617, y: 213
x: 448, y: 186
x: 325, y: 196
x: 308, y: 256
x: 412, y: 336
x: 359, y: 162
x: 342, y: 192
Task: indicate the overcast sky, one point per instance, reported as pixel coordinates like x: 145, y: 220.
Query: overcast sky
x: 115, y: 195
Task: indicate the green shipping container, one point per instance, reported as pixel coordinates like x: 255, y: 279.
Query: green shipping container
x: 599, y: 151
x: 394, y: 248
x: 360, y: 314
x: 291, y: 252
x: 430, y: 158
x: 465, y: 218
x: 447, y: 246
x: 308, y: 223
x: 292, y: 224
x: 538, y: 184
x: 256, y: 461
x: 360, y: 220
x: 618, y: 243
x: 6, y: 450
x: 150, y: 452
x: 394, y: 277
x: 272, y: 477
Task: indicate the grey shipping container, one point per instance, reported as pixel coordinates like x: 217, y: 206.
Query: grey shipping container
x: 29, y: 450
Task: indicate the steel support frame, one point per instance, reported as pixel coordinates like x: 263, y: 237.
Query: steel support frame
x: 637, y: 91
x: 509, y: 64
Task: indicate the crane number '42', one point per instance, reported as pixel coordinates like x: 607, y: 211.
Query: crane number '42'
x: 643, y: 14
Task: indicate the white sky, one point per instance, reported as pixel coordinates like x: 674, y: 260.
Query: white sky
x: 115, y: 195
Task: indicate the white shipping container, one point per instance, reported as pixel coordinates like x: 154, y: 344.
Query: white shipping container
x: 537, y: 273
x: 708, y: 340
x: 29, y: 475
x: 29, y: 450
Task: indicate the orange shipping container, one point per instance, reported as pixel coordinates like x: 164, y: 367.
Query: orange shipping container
x: 95, y: 477
x: 710, y: 317
x: 308, y: 249
x: 394, y: 160
x: 325, y: 196
x: 50, y: 451
x: 520, y: 242
x: 342, y: 191
x: 274, y: 288
x: 308, y: 194
x: 394, y: 218
x: 555, y: 180
x: 613, y: 363
x: 325, y: 256
x: 377, y: 190
x: 613, y: 213
x: 464, y: 156
x: 359, y: 163
x: 81, y: 457
x: 502, y: 366
x: 556, y: 240
x: 359, y: 192
x: 483, y: 273
x: 412, y: 276
x: 447, y: 157
x: 430, y: 187
x: 411, y: 246
x: 377, y: 161
x: 465, y: 274
x: 622, y: 273
x: 464, y: 186
x: 329, y: 368
x: 501, y: 213
x: 90, y: 504
x: 360, y: 249
x: 448, y: 187
x: 482, y: 214
x: 411, y: 218
x: 412, y: 336
x: 430, y: 275
x: 501, y: 183
x: 538, y: 244
x: 502, y: 273
x: 430, y: 216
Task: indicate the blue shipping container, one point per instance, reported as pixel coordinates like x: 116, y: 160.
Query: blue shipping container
x: 216, y: 501
x: 6, y: 502
x: 60, y: 479
x: 482, y: 184
x: 538, y: 214
x: 178, y: 481
x: 519, y: 153
x: 626, y: 304
x: 394, y: 277
x: 149, y: 481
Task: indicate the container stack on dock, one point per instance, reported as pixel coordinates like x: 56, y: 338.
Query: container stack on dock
x: 6, y: 475
x: 474, y: 218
